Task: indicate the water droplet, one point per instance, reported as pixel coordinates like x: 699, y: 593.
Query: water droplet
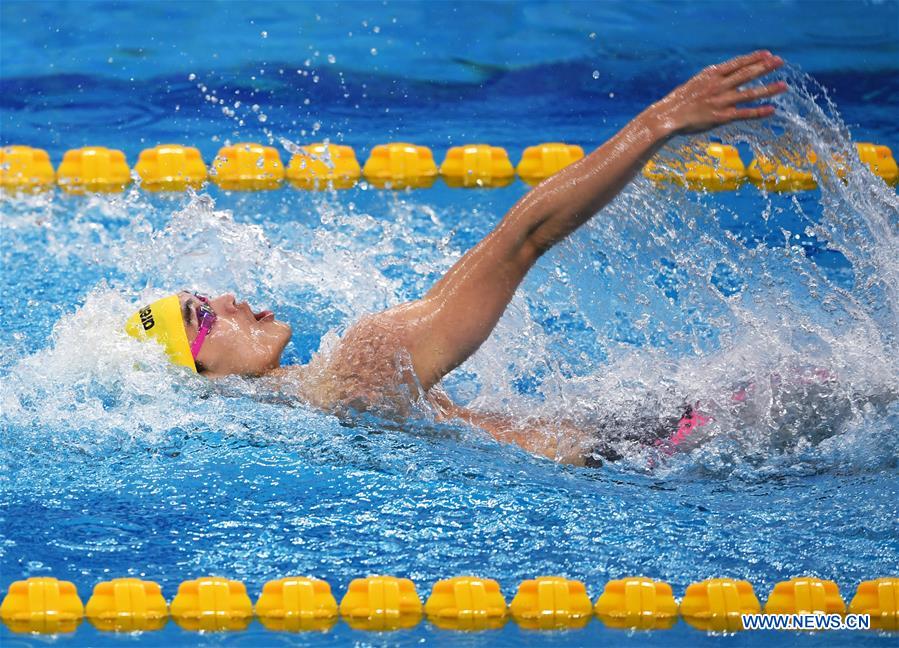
x: 592, y: 35
x: 376, y: 29
x: 611, y: 95
x: 263, y: 118
x: 264, y: 34
x: 374, y: 51
x: 191, y: 77
x: 595, y: 74
x: 332, y: 59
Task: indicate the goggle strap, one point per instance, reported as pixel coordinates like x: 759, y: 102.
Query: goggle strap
x: 207, y: 319
x: 198, y: 341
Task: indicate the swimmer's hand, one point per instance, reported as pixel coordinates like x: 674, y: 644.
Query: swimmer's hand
x: 711, y: 97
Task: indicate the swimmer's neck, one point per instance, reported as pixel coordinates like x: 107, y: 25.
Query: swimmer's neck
x: 287, y: 371
x: 291, y: 375
x: 310, y: 383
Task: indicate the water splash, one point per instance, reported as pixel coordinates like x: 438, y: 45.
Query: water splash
x: 666, y: 299
x: 683, y: 305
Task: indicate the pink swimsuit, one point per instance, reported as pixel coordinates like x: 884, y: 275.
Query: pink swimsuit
x: 689, y: 422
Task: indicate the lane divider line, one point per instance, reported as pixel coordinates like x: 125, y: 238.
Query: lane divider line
x: 248, y: 166
x: 47, y: 605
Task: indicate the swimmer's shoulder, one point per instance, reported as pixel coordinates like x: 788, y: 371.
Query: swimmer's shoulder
x: 374, y: 339
x: 368, y: 366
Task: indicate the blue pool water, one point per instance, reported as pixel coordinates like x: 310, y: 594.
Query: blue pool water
x: 113, y: 468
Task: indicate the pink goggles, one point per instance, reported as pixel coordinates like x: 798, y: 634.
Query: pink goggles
x: 205, y: 319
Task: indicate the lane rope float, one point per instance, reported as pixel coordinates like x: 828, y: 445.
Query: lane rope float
x: 249, y: 166
x: 379, y: 603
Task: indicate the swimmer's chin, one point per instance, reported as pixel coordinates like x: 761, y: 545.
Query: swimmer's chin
x: 283, y: 332
x: 280, y: 324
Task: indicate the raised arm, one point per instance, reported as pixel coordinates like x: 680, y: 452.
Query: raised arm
x: 460, y: 311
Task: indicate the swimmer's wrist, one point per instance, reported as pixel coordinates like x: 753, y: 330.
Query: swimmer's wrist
x: 659, y: 121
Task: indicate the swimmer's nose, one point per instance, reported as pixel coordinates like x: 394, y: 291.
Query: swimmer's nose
x: 226, y: 302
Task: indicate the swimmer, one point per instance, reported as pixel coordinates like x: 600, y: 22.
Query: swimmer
x: 387, y: 361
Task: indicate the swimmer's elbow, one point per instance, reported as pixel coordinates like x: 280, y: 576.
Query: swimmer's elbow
x: 533, y: 247
x: 541, y: 239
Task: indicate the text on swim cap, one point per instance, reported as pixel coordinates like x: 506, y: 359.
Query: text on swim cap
x: 146, y: 318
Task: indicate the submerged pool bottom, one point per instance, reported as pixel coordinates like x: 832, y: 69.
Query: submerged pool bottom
x: 47, y: 605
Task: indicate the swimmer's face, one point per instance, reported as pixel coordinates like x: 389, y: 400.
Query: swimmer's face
x: 240, y: 342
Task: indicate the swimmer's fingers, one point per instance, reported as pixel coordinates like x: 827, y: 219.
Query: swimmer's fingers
x: 734, y: 64
x: 737, y: 114
x: 701, y: 103
x: 753, y: 94
x: 753, y: 71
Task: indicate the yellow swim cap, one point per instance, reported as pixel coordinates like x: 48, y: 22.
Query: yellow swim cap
x: 162, y: 321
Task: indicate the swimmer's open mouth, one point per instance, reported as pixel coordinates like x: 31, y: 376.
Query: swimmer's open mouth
x: 264, y: 316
